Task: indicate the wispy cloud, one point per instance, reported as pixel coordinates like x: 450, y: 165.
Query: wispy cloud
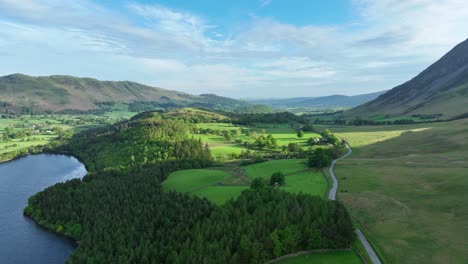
x: 387, y: 43
x: 264, y: 3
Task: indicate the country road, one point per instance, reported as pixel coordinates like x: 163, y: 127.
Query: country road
x: 332, y: 196
x: 332, y: 193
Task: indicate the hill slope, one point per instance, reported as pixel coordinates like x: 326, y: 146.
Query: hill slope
x: 441, y: 90
x: 332, y: 101
x: 22, y: 93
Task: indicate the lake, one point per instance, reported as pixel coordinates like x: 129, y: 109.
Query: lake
x: 21, y: 240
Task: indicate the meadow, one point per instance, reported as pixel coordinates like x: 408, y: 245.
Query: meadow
x: 266, y: 169
x: 19, y: 133
x: 219, y: 184
x: 286, y: 134
x: 405, y: 186
x: 221, y: 148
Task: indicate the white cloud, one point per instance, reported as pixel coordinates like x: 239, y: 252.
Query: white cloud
x: 264, y: 3
x: 389, y: 42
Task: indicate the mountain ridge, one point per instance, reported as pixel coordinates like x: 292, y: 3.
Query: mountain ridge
x: 329, y: 101
x: 440, y: 90
x: 63, y: 93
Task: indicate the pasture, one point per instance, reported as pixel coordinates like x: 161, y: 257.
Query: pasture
x: 220, y: 147
x: 307, y: 182
x: 286, y: 134
x: 266, y: 169
x: 406, y: 188
x: 214, y: 184
x: 219, y: 184
x: 26, y: 131
x: 188, y: 180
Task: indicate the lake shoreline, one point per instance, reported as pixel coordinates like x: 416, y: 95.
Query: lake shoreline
x: 23, y: 177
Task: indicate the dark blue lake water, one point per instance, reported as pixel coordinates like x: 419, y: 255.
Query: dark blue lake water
x: 21, y: 240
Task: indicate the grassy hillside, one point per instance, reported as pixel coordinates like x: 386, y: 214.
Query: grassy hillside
x: 406, y: 187
x: 440, y: 90
x: 22, y: 93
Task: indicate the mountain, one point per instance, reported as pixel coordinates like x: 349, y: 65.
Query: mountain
x: 57, y: 93
x: 325, y: 102
x: 441, y: 90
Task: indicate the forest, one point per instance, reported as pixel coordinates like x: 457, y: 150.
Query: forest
x: 144, y: 139
x: 120, y: 214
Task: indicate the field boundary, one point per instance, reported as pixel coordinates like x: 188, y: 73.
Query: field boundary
x: 306, y: 252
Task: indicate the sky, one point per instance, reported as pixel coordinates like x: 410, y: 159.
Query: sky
x: 240, y: 49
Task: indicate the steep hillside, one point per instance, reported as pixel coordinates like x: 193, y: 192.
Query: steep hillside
x: 324, y: 102
x: 440, y: 90
x: 22, y: 93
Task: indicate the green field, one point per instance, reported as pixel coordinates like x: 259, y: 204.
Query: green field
x: 309, y: 182
x: 27, y: 131
x: 336, y: 257
x: 220, y: 126
x: 406, y: 187
x: 220, y: 184
x: 216, y: 185
x: 189, y: 180
x: 221, y: 148
x: 285, y: 134
x: 266, y: 169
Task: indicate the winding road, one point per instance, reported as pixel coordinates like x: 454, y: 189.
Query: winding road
x: 332, y: 196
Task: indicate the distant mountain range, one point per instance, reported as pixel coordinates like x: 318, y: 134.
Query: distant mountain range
x: 324, y: 102
x: 441, y: 90
x: 22, y: 93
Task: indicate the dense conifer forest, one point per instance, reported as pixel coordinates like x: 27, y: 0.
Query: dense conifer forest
x: 120, y: 214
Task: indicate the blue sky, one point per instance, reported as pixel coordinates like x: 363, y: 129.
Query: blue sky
x: 242, y: 49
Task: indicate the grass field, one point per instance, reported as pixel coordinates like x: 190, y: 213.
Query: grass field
x: 41, y: 129
x: 220, y: 184
x: 188, y: 180
x: 212, y: 184
x: 336, y: 257
x: 285, y: 134
x: 266, y: 169
x: 219, y: 146
x: 308, y: 182
x: 407, y: 186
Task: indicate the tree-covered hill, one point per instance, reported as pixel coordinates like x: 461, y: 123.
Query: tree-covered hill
x: 58, y: 94
x: 147, y: 138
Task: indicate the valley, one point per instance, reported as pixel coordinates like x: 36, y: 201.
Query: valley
x: 386, y: 187
x: 234, y: 132
x: 164, y: 150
